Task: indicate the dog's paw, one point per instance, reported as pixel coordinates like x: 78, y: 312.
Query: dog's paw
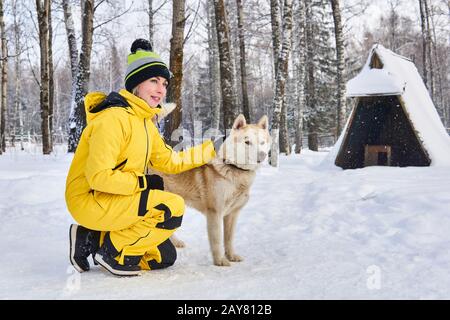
x: 177, y: 242
x: 234, y: 257
x: 222, y: 262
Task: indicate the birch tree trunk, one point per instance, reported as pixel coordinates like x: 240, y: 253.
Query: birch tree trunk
x: 226, y: 65
x: 341, y: 107
x: 43, y: 9
x: 4, y: 78
x: 429, y: 48
x: 77, y: 120
x: 423, y: 26
x: 71, y: 41
x: 214, y: 67
x: 150, y: 22
x: 281, y: 76
x: 440, y: 75
x: 245, y: 103
x: 17, y: 70
x: 285, y: 145
x: 301, y: 70
x: 173, y: 121
x: 51, y: 84
x: 313, y: 142
x: 73, y: 58
x: 275, y: 20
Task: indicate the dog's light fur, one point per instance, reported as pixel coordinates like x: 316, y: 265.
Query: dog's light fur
x: 166, y: 109
x: 221, y: 188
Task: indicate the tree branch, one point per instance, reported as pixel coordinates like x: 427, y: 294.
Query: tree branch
x: 113, y: 18
x: 157, y: 9
x: 32, y: 70
x: 192, y: 24
x: 98, y: 4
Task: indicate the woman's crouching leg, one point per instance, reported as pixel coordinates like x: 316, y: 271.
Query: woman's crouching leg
x: 163, y: 216
x: 163, y: 256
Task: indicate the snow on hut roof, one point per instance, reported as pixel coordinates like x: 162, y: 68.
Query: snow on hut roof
x: 401, y: 78
x: 378, y: 76
x: 374, y: 82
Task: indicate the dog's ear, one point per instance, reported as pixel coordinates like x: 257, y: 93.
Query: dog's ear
x: 239, y: 123
x: 264, y: 122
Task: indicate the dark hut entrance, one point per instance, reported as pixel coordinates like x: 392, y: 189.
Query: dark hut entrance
x: 380, y: 134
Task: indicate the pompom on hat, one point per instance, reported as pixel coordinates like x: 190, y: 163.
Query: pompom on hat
x: 144, y: 64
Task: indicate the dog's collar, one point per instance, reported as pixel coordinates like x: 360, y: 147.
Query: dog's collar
x: 235, y: 166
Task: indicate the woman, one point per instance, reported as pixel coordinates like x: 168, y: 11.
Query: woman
x: 125, y: 217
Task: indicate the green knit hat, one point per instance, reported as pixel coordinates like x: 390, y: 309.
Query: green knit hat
x: 144, y: 64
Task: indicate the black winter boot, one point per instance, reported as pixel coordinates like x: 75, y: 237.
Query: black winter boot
x: 83, y: 242
x: 106, y: 255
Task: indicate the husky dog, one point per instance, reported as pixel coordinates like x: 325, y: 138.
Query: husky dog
x: 221, y: 188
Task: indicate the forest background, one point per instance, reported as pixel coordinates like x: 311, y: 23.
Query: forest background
x: 289, y: 59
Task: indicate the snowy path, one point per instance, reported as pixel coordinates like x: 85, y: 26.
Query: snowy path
x: 308, y: 232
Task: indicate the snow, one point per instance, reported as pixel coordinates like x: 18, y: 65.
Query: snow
x: 400, y: 75
x: 374, y: 82
x: 308, y: 232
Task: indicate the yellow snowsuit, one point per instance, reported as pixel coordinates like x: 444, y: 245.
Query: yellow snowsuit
x: 106, y: 188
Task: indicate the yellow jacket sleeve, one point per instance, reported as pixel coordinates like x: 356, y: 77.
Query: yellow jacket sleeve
x: 106, y: 139
x: 163, y: 158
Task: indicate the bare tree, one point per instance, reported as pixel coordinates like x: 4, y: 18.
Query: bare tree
x: 275, y: 15
x: 282, y: 74
x: 51, y: 84
x: 285, y: 145
x: 214, y: 67
x: 77, y: 120
x: 150, y: 22
x: 340, y: 59
x: 313, y: 126
x: 73, y: 58
x: 226, y: 64
x: 71, y: 41
x: 275, y: 20
x: 173, y: 121
x: 300, y: 75
x: 4, y: 71
x: 43, y: 11
x: 18, y: 121
x: 151, y: 17
x: 429, y: 49
x: 393, y: 22
x: 440, y: 74
x: 423, y: 25
x: 245, y: 103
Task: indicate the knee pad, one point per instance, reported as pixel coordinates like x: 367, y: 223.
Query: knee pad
x: 168, y: 256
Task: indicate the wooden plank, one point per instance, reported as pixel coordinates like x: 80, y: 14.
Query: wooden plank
x: 371, y: 154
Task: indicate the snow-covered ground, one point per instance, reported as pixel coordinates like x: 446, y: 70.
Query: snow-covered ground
x: 308, y: 232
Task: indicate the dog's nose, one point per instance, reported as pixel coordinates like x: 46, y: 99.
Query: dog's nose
x: 261, y: 156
